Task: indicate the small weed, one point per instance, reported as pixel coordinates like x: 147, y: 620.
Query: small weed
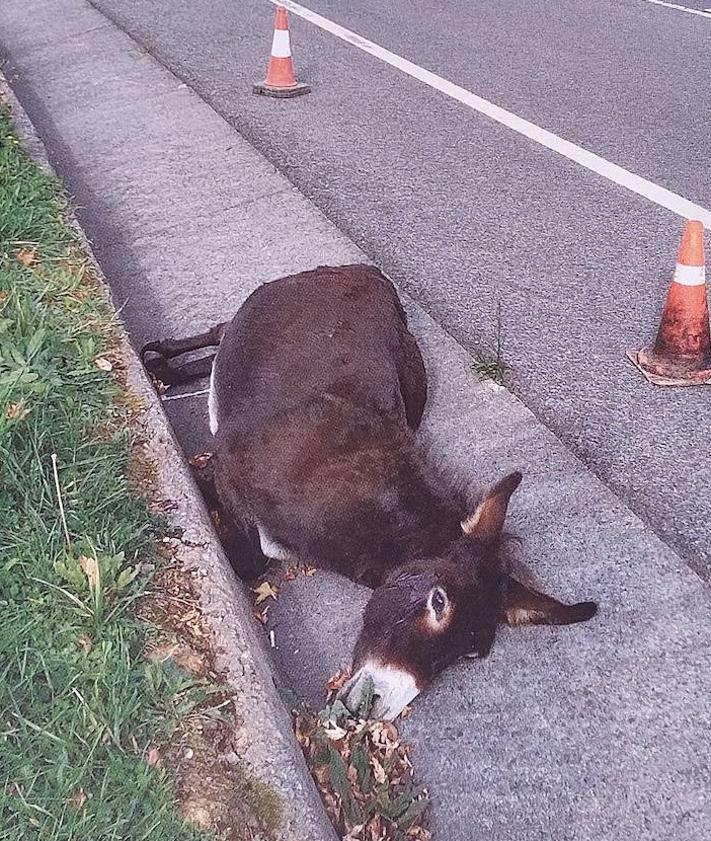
x: 492, y: 367
x: 489, y: 369
x: 363, y: 773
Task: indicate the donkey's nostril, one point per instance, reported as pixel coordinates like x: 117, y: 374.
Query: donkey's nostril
x: 378, y: 691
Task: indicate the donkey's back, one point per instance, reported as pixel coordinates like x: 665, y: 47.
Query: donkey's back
x: 331, y: 334
x: 316, y: 390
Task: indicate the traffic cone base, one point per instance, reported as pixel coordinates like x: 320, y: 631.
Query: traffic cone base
x: 296, y: 89
x: 657, y: 371
x: 281, y: 80
x: 681, y: 354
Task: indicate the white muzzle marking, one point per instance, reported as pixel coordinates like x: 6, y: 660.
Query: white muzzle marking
x: 393, y: 689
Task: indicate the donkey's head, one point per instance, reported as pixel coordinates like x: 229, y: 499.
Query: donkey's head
x: 430, y: 612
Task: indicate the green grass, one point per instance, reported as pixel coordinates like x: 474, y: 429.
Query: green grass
x: 492, y: 367
x: 489, y: 369
x: 79, y: 705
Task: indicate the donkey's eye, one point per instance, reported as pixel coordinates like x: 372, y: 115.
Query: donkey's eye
x: 438, y: 601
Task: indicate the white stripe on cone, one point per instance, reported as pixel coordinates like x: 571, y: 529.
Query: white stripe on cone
x: 690, y: 275
x: 280, y: 44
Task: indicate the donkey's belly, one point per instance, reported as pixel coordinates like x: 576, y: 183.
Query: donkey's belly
x: 212, y: 409
x: 272, y: 549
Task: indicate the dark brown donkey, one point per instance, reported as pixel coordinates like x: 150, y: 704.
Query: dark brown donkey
x: 316, y: 392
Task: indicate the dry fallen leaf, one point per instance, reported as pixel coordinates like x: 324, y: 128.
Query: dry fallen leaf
x: 378, y: 770
x: 376, y: 830
x: 334, y: 732
x: 385, y: 735
x: 91, y: 570
x: 16, y: 411
x: 200, y: 461
x: 418, y: 833
x: 337, y: 681
x: 78, y: 799
x: 261, y: 615
x: 103, y: 364
x: 84, y: 642
x: 360, y: 772
x: 298, y: 569
x: 265, y: 591
x: 303, y: 730
x: 27, y: 256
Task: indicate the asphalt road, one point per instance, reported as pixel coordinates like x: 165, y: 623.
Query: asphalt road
x: 473, y: 219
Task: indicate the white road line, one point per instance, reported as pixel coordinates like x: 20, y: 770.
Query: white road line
x: 659, y: 195
x: 706, y: 13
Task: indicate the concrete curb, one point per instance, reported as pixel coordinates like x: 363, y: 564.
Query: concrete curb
x: 267, y: 747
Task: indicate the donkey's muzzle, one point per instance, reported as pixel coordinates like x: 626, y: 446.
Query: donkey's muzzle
x: 391, y: 688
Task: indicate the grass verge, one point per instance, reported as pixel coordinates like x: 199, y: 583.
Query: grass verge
x: 81, y: 709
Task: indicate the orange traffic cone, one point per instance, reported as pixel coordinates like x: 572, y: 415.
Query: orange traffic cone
x: 682, y: 352
x: 281, y: 80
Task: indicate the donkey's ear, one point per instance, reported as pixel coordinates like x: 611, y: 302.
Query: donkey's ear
x: 525, y: 606
x: 487, y: 521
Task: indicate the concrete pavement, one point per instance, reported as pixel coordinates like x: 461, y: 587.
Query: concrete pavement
x: 600, y: 731
x: 468, y: 216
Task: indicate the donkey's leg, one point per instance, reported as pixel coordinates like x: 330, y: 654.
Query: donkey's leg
x: 166, y: 349
x: 170, y: 348
x: 242, y: 547
x: 241, y: 543
x: 188, y: 372
x: 524, y: 606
